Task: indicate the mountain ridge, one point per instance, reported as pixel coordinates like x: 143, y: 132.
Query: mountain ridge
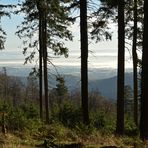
x: 106, y: 85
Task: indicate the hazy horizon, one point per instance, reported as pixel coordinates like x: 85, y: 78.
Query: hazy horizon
x: 101, y: 55
x: 97, y: 59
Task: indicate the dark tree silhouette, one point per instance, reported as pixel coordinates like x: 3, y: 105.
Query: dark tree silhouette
x: 40, y: 10
x: 144, y: 79
x: 50, y: 19
x: 3, y: 13
x: 134, y: 53
x: 45, y: 59
x: 134, y: 32
x: 120, y: 79
x: 84, y: 58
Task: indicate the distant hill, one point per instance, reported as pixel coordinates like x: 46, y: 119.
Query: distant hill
x: 94, y: 73
x: 107, y: 87
x: 102, y: 80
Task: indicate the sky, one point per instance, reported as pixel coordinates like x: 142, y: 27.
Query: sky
x: 101, y: 55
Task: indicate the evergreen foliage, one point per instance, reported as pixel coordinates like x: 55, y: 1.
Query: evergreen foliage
x: 44, y: 30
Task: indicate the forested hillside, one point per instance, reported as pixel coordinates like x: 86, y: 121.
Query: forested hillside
x: 81, y: 106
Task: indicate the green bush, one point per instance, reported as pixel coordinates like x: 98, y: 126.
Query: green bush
x: 98, y: 119
x: 130, y: 128
x: 16, y: 120
x: 68, y: 114
x: 5, y: 106
x: 34, y: 127
x: 30, y: 110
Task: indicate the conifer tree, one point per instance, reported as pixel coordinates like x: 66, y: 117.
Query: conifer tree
x: 3, y: 13
x: 120, y: 73
x: 144, y: 79
x: 84, y: 58
x: 50, y: 19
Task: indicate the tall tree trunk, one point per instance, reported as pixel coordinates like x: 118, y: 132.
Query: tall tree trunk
x: 144, y: 79
x: 120, y: 80
x: 84, y: 58
x: 134, y: 53
x: 45, y: 65
x: 40, y: 64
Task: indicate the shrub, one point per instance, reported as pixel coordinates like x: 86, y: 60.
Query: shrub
x: 16, y: 120
x: 98, y: 120
x: 68, y: 114
x: 30, y: 110
x: 130, y: 128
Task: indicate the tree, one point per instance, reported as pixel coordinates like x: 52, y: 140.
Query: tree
x: 84, y: 58
x: 15, y: 89
x: 61, y: 88
x: 144, y: 79
x: 103, y: 16
x: 134, y: 54
x: 51, y: 19
x: 128, y: 103
x: 59, y: 94
x: 120, y: 74
x: 32, y: 89
x: 45, y: 56
x: 40, y: 10
x: 2, y: 32
x: 134, y: 31
x: 3, y: 12
x: 99, y: 31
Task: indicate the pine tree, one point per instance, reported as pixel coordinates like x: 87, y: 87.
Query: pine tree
x: 84, y: 58
x: 120, y: 74
x: 134, y: 53
x: 144, y: 79
x: 3, y: 13
x: 50, y: 19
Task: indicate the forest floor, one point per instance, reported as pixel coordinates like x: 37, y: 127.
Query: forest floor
x: 66, y: 138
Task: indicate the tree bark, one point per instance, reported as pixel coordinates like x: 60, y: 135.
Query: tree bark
x: 84, y: 58
x: 120, y: 79
x: 144, y: 79
x: 40, y: 64
x: 45, y: 65
x: 134, y: 53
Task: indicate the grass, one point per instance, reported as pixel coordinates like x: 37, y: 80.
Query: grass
x: 11, y: 141
x: 61, y: 136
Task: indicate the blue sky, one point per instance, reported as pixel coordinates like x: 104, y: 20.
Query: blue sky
x: 103, y: 54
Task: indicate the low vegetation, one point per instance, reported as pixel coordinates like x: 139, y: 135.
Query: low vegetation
x: 21, y: 125
x: 25, y: 129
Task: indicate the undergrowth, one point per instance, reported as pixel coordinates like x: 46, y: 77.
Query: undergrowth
x: 24, y: 127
